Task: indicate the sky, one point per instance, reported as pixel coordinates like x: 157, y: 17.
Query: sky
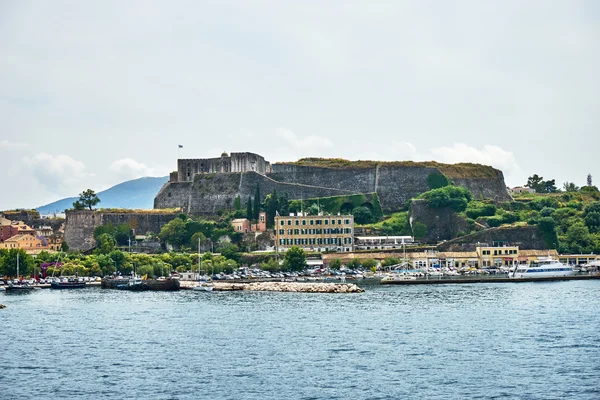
x: 96, y: 93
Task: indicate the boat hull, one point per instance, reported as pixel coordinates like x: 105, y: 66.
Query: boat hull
x: 147, y: 284
x: 168, y: 285
x: 67, y: 285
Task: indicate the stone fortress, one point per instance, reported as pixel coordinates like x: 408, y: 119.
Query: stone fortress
x: 205, y: 186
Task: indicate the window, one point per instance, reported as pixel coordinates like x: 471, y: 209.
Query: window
x: 347, y: 221
x: 296, y: 231
x: 339, y: 221
x: 282, y: 231
x: 333, y: 222
x: 297, y: 222
x: 326, y: 222
x: 312, y: 222
x: 289, y: 221
x: 281, y: 222
x: 319, y: 222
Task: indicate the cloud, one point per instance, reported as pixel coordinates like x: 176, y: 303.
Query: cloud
x: 60, y: 174
x: 127, y: 168
x: 6, y: 145
x: 492, y: 155
x: 304, y: 142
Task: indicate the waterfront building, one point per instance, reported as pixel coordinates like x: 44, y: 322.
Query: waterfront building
x: 315, y: 232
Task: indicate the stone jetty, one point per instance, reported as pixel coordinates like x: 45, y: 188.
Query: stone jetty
x: 275, y: 286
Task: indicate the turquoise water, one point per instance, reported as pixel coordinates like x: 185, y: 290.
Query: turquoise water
x: 503, y: 340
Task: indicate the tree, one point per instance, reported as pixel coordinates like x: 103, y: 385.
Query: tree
x: 570, y: 187
x: 592, y: 221
x: 547, y: 228
x: 535, y: 182
x: 230, y: 251
x: 589, y: 180
x: 87, y: 199
x: 271, y: 208
x: 105, y: 243
x: 550, y: 186
x: 336, y: 263
x: 377, y: 211
x: 256, y: 202
x: 540, y: 185
x: 368, y: 263
x: 237, y: 203
x: 295, y: 259
x: 26, y: 263
x: 362, y: 215
x: 174, y: 232
x: 249, y: 208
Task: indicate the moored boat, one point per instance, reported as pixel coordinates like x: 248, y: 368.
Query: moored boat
x: 68, y: 283
x: 544, y: 267
x: 162, y: 284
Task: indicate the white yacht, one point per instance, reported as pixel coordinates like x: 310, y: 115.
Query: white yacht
x: 545, y: 267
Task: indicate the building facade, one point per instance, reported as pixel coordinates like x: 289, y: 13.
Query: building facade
x: 315, y: 232
x: 382, y: 242
x: 244, y: 225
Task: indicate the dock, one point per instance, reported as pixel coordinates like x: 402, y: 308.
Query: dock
x: 442, y: 281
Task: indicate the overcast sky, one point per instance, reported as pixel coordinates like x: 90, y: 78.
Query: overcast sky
x: 95, y: 93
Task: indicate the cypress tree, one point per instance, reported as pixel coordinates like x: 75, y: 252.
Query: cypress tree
x: 249, y: 208
x: 237, y: 203
x: 256, y: 202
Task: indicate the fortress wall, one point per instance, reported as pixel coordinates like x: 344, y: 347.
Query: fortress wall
x: 211, y: 193
x: 356, y: 180
x: 395, y: 185
x: 486, y: 188
x: 80, y: 225
x: 398, y: 184
x: 173, y: 195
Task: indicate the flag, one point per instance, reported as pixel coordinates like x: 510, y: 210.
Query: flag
x: 180, y: 146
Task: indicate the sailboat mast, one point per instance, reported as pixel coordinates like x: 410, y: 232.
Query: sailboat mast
x: 18, y: 268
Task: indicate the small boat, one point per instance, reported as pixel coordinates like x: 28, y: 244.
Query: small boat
x: 68, y: 283
x: 18, y: 286
x: 203, y: 286
x: 163, y: 284
x: 395, y: 277
x: 545, y: 267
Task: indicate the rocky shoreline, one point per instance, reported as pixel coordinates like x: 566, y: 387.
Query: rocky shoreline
x: 302, y: 287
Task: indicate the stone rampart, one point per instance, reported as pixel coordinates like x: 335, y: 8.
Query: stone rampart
x: 210, y: 193
x: 80, y: 224
x: 394, y: 183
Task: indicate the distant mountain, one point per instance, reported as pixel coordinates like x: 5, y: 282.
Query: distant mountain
x: 136, y: 194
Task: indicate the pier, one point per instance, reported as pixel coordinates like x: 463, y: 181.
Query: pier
x: 442, y: 280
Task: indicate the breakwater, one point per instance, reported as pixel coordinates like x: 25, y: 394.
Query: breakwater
x: 299, y: 287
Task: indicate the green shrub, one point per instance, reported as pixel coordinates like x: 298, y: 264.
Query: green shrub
x: 435, y: 180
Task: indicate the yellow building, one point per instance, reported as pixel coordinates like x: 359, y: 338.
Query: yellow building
x: 25, y: 242
x: 315, y: 232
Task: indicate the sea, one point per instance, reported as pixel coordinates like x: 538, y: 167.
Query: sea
x: 460, y: 341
